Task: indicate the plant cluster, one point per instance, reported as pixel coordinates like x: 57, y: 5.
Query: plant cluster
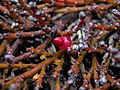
x: 59, y: 44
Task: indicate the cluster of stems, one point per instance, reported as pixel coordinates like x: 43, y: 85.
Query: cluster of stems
x: 30, y: 60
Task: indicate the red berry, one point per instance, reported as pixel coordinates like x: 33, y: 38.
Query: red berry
x: 58, y: 41
x: 63, y: 42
